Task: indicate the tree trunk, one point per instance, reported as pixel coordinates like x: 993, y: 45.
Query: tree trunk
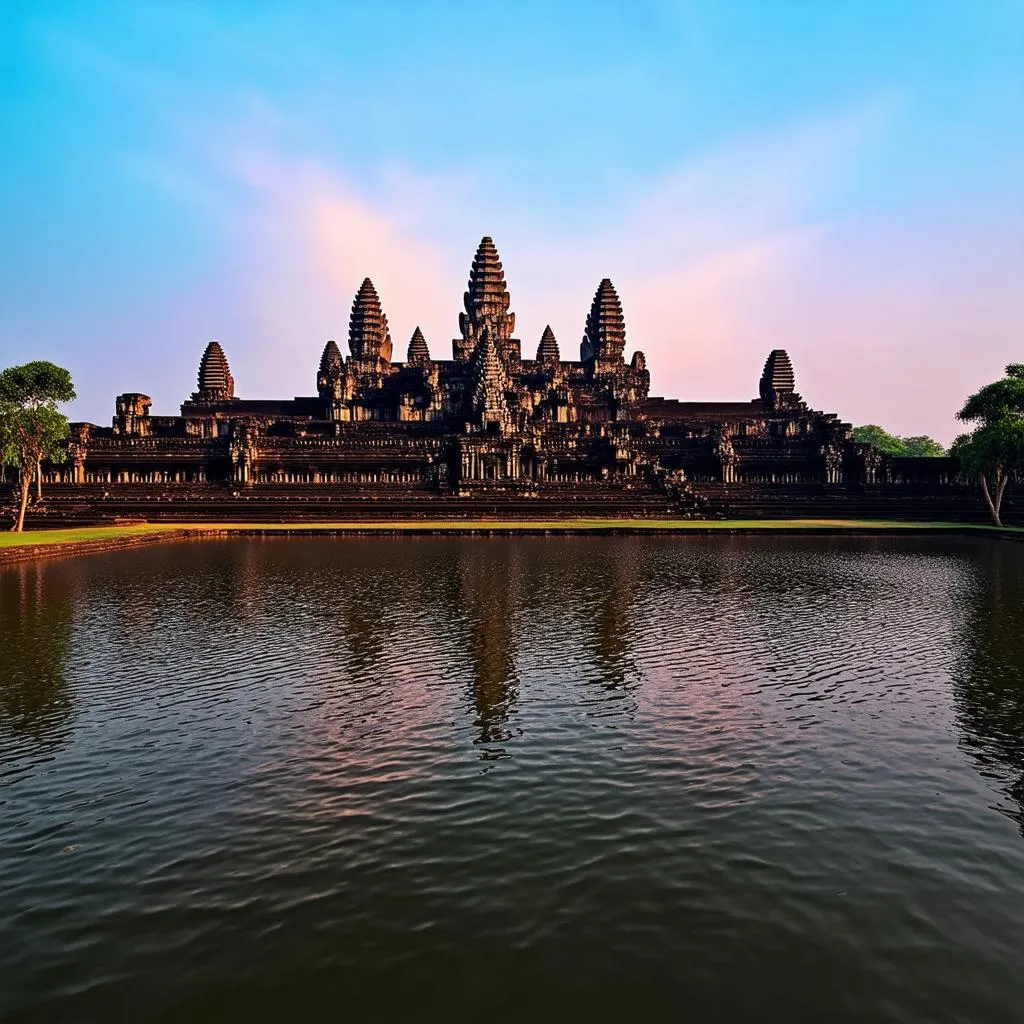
x: 39, y: 479
x: 25, y: 486
x: 1000, y: 488
x: 993, y: 507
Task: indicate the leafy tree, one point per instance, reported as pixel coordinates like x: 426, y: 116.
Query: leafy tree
x: 918, y: 447
x: 881, y: 439
x: 993, y: 453
x: 32, y: 428
x: 922, y: 447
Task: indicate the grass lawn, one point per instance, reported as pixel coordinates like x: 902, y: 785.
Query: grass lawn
x: 33, y: 538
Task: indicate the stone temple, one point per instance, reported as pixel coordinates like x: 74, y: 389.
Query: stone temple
x: 489, y: 424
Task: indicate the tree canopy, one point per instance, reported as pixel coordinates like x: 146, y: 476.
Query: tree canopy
x: 1004, y: 397
x: 918, y: 447
x: 993, y: 452
x: 32, y: 428
x: 35, y: 384
x: 922, y: 447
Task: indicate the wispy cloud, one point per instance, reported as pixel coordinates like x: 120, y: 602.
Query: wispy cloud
x: 693, y: 254
x: 735, y: 252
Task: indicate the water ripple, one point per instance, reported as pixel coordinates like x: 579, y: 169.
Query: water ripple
x: 252, y: 778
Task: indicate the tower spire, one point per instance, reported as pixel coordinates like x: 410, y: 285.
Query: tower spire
x: 331, y: 359
x: 778, y: 382
x: 605, y: 334
x: 215, y: 380
x: 331, y: 372
x: 547, y: 350
x: 419, y: 353
x: 486, y: 300
x: 368, y: 335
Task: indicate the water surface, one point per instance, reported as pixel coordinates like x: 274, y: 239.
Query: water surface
x: 723, y: 778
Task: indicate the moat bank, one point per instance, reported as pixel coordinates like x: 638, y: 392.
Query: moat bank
x: 62, y: 543
x: 250, y: 779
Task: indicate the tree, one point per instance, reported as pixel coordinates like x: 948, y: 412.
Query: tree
x: 884, y: 441
x: 917, y: 447
x: 922, y: 447
x: 32, y: 428
x: 993, y: 453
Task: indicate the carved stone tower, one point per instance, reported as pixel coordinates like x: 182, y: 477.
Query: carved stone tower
x: 215, y: 381
x: 486, y: 302
x: 132, y: 415
x: 330, y: 379
x: 547, y: 350
x: 368, y: 335
x: 604, y: 337
x: 489, y: 386
x: 778, y: 382
x: 369, y: 341
x: 419, y: 353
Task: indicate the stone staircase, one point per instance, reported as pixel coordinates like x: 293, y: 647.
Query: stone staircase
x: 85, y: 506
x: 277, y: 505
x: 853, y: 501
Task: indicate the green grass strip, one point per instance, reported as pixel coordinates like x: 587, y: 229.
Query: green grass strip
x: 35, y: 538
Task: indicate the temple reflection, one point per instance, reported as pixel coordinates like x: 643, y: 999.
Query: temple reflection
x: 989, y: 673
x: 36, y: 615
x: 362, y: 613
x: 489, y: 602
x: 614, y: 584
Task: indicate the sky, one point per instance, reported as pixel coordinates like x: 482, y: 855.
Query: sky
x: 844, y: 180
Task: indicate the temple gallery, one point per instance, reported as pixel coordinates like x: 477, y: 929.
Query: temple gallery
x: 486, y: 420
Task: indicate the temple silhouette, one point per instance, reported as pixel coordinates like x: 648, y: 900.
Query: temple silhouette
x: 489, y: 424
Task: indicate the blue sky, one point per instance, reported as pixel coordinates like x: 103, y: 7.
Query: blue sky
x: 839, y: 179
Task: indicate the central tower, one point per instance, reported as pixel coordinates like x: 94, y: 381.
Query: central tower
x: 486, y: 302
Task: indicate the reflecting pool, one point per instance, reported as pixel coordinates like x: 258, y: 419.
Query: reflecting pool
x: 709, y: 778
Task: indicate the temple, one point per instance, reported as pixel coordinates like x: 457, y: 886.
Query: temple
x: 488, y: 424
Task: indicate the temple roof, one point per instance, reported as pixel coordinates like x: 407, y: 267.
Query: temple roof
x: 487, y: 297
x: 214, y: 374
x: 419, y: 353
x: 547, y: 350
x: 778, y: 372
x: 331, y: 358
x: 368, y: 335
x: 605, y: 332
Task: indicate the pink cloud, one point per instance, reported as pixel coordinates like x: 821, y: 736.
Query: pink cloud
x: 716, y: 264
x: 911, y: 315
